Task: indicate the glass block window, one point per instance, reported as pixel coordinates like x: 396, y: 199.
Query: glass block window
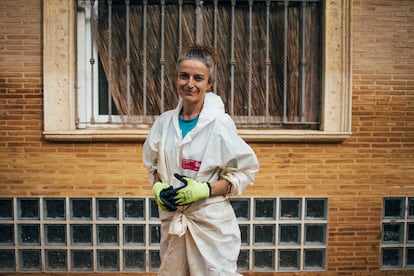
x: 79, y: 235
x: 282, y: 234
x: 89, y: 235
x: 397, y: 247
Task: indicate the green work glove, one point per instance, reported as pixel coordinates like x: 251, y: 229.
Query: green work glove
x: 163, y: 193
x: 192, y: 190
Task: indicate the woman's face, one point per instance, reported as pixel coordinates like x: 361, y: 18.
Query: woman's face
x: 192, y: 80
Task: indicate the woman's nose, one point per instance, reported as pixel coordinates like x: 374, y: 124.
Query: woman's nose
x: 190, y: 82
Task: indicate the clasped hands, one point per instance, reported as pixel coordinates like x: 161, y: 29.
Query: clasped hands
x: 169, y: 198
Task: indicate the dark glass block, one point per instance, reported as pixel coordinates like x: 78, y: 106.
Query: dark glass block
x: 155, y: 234
x: 82, y: 260
x: 134, y: 209
x: 315, y: 209
x: 108, y: 234
x: 315, y: 234
x: 392, y: 233
x: 264, y: 234
x: 134, y: 260
x: 394, y: 207
x: 154, y: 215
x: 243, y: 261
x: 289, y: 259
x: 6, y: 234
x: 29, y: 208
x: 411, y: 207
x: 245, y: 234
x: 107, y: 208
x: 391, y: 257
x: 108, y: 260
x: 6, y: 208
x: 289, y: 234
x: 263, y: 260
x: 241, y: 208
x: 81, y: 208
x: 154, y: 260
x: 55, y: 234
x: 29, y: 260
x: 81, y: 234
x: 134, y: 234
x: 264, y: 209
x: 410, y: 257
x: 7, y: 260
x: 56, y: 260
x: 29, y: 234
x: 55, y: 209
x: 314, y: 259
x: 410, y: 232
x: 290, y: 208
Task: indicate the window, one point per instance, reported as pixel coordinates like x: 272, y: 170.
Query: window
x: 286, y: 234
x: 397, y: 250
x: 80, y: 237
x: 268, y: 68
x: 60, y: 79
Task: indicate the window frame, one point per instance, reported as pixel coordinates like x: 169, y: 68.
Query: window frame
x: 59, y: 73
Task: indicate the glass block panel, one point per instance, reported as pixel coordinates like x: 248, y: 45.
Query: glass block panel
x: 81, y: 234
x: 411, y: 207
x: 81, y: 209
x: 155, y: 234
x: 108, y: 260
x: 82, y: 260
x: 154, y: 215
x: 290, y: 208
x: 264, y: 234
x: 29, y: 234
x: 263, y: 260
x: 134, y: 260
x: 245, y: 234
x: 7, y: 260
x: 410, y: 232
x: 134, y: 209
x: 154, y: 260
x: 392, y: 257
x: 315, y: 209
x: 289, y: 260
x: 314, y: 259
x: 392, y: 232
x: 394, y: 207
x: 243, y: 261
x: 289, y: 234
x: 55, y: 209
x: 6, y: 234
x: 29, y: 260
x: 315, y: 234
x: 55, y: 234
x: 264, y: 208
x: 107, y: 208
x: 28, y: 208
x: 241, y: 208
x: 134, y: 234
x: 6, y: 208
x: 410, y: 257
x: 108, y: 234
x: 56, y: 260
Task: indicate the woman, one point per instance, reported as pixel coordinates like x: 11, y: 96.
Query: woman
x: 195, y: 159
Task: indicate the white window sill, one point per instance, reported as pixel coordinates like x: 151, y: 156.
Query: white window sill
x: 249, y: 135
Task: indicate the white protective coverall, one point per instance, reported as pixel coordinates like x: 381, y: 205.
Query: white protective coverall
x: 202, y: 238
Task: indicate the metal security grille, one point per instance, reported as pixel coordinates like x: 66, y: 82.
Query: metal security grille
x: 268, y: 66
x: 123, y: 234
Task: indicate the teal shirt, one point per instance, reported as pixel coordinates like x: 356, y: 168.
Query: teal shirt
x: 187, y: 125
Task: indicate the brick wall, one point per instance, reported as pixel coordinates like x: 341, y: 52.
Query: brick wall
x: 377, y: 161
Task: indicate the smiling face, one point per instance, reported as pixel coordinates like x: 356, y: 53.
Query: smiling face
x: 193, y: 81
